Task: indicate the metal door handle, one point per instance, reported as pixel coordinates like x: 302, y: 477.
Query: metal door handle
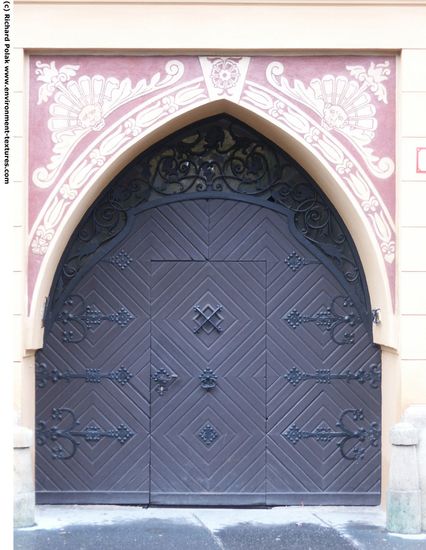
x: 162, y: 378
x: 208, y: 379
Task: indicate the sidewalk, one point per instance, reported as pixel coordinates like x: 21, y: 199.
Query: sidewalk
x: 281, y: 528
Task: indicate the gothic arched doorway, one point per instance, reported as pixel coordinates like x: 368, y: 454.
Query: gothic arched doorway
x: 208, y: 338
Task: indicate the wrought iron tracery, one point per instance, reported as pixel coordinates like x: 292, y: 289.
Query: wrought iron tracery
x: 218, y: 157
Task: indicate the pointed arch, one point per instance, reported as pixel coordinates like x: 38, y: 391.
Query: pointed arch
x: 287, y: 140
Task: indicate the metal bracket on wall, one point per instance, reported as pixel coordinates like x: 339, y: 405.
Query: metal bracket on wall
x: 375, y: 316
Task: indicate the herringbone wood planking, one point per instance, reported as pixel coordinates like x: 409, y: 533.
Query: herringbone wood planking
x: 235, y: 461
x: 210, y: 251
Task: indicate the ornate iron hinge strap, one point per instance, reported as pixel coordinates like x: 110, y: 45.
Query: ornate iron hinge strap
x: 208, y: 379
x: 59, y: 436
x: 162, y: 378
x: 372, y: 375
x: 364, y: 437
x: 94, y: 376
x: 88, y: 317
x: 208, y: 319
x: 330, y: 319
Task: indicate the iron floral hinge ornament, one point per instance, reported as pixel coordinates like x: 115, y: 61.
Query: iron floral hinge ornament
x: 208, y: 379
x: 162, y: 378
x: 208, y: 318
x: 330, y: 319
x: 87, y: 317
x: 363, y: 437
x: 94, y: 376
x: 65, y: 444
x: 372, y: 375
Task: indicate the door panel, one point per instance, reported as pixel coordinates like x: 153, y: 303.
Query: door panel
x: 288, y: 366
x: 313, y: 378
x: 208, y: 446
x: 93, y: 394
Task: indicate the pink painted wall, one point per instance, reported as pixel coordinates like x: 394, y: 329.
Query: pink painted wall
x: 87, y: 110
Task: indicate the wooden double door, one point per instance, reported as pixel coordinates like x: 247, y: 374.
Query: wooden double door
x: 209, y: 359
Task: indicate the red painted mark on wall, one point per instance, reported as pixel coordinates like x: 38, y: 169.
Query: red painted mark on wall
x: 421, y: 160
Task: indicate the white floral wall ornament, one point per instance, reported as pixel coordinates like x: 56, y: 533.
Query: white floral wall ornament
x: 105, y: 147
x: 372, y: 78
x: 225, y: 73
x: 82, y: 105
x: 92, y: 116
x: 343, y: 105
x: 224, y: 76
x: 46, y: 231
x: 41, y: 240
x: 326, y: 145
x: 53, y: 78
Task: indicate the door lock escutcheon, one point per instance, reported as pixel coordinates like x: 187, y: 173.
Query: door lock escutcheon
x: 162, y: 378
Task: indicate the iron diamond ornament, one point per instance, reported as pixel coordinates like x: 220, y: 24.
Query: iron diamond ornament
x: 208, y: 434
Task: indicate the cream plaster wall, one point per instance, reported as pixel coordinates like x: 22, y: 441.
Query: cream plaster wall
x: 277, y: 27
x: 412, y: 228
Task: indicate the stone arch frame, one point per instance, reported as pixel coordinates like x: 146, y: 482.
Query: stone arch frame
x: 384, y: 333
